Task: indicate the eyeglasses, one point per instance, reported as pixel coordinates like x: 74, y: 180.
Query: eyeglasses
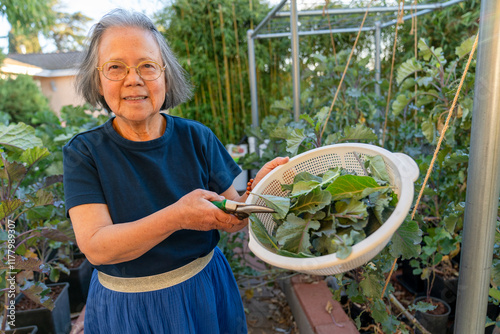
x: 115, y: 70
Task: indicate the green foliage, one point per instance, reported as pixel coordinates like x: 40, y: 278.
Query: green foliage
x: 21, y: 98
x: 32, y: 225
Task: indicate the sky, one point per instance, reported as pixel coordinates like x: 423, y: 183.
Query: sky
x: 94, y: 9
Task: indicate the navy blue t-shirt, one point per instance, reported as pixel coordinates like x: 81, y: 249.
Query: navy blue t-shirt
x: 136, y: 179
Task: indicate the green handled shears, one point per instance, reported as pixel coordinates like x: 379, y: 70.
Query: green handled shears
x: 241, y: 210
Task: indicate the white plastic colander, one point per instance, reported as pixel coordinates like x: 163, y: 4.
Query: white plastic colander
x: 403, y: 172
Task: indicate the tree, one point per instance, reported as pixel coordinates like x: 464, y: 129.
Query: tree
x: 21, y: 98
x: 27, y: 18
x: 68, y: 31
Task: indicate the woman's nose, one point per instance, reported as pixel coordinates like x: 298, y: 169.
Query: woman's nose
x: 133, y: 77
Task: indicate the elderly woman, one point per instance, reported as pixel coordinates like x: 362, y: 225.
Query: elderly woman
x: 139, y: 190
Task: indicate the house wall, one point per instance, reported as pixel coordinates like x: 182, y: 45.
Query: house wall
x: 60, y: 91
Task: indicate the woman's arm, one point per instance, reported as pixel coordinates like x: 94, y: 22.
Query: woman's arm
x: 103, y: 242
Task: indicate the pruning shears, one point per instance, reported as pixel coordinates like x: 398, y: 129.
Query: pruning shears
x: 241, y: 210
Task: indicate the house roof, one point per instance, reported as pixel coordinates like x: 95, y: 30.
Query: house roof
x: 50, y: 61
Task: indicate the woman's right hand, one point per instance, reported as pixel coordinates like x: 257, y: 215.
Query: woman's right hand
x: 195, y: 211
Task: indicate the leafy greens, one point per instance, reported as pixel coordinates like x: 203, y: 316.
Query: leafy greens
x: 328, y: 213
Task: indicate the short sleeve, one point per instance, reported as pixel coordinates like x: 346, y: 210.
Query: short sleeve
x: 81, y: 179
x: 223, y: 169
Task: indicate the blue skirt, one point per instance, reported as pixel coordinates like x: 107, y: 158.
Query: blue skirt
x: 207, y: 303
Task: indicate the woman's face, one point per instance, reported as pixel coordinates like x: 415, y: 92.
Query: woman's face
x: 132, y: 98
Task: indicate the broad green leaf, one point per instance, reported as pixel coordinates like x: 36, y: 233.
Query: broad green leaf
x: 330, y: 175
x: 19, y: 135
x: 428, y: 129
x: 8, y: 207
x: 285, y: 104
x: 359, y: 132
x: 24, y: 263
x: 495, y: 293
x: 332, y: 138
x: 42, y: 197
x: 35, y: 154
x: 347, y: 186
x: 422, y: 307
x: 56, y: 235
x: 294, y: 140
x: 407, y: 68
x: 303, y: 187
x: 312, y: 202
x: 465, y: 47
x: 260, y: 232
x: 455, y: 158
x: 377, y: 168
x: 280, y: 204
x: 294, y: 235
x: 306, y: 176
x: 307, y: 118
x: 495, y: 273
x: 320, y: 117
x: 280, y: 132
x: 38, y: 292
x: 351, y: 210
x: 371, y: 286
x: 424, y: 50
x: 381, y: 201
x: 406, y: 241
x: 13, y: 171
x: 400, y: 104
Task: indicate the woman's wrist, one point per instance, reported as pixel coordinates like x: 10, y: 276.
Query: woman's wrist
x: 249, y: 187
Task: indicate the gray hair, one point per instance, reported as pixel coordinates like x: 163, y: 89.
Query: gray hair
x: 87, y: 79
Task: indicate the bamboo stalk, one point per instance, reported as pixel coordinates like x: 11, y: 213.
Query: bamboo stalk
x: 219, y: 86
x: 229, y: 106
x: 251, y: 17
x: 238, y: 60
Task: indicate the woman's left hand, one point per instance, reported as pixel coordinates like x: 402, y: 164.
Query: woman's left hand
x: 269, y: 166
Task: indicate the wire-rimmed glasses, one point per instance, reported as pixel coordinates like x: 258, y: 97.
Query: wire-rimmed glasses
x: 116, y: 70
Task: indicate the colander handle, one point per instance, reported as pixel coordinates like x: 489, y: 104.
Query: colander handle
x: 408, y: 166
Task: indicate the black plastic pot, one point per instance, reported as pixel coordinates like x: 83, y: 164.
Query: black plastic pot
x: 434, y: 323
x: 23, y: 330
x: 411, y: 282
x: 57, y: 321
x: 79, y: 282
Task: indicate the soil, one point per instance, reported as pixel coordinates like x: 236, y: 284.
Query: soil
x: 266, y: 307
x: 75, y: 263
x: 27, y: 304
x: 440, y: 307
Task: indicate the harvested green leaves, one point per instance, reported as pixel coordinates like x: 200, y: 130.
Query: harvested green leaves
x: 328, y: 213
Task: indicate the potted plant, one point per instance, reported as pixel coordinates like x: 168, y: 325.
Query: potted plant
x: 23, y: 330
x: 30, y: 231
x: 78, y: 276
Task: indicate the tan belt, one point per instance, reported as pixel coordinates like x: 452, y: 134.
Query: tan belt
x: 155, y: 282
